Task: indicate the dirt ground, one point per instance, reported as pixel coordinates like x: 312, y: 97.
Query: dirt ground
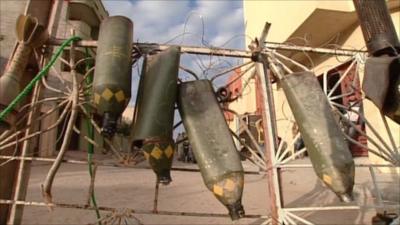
x: 134, y: 188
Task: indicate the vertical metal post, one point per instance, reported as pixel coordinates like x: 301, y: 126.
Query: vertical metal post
x: 377, y: 190
x: 6, y: 176
x: 24, y: 167
x: 47, y: 13
x: 270, y: 130
x: 156, y: 191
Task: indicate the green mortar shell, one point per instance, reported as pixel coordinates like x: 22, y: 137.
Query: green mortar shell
x: 113, y: 70
x: 326, y: 146
x: 212, y: 143
x: 160, y: 155
x: 155, y: 102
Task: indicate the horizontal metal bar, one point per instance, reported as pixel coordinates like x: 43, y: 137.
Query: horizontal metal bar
x: 350, y: 207
x: 356, y: 165
x: 146, y: 47
x: 81, y: 43
x: 224, y: 51
x: 111, y: 209
x: 197, y: 170
x: 52, y: 160
x: 327, y: 51
x: 99, y: 163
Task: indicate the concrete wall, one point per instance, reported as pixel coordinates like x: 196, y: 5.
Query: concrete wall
x: 285, y: 16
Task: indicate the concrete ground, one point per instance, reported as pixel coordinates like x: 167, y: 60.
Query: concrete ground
x: 134, y: 188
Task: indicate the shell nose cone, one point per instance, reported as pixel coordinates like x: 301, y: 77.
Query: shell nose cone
x: 347, y: 198
x: 109, y: 126
x: 164, y: 178
x: 236, y: 210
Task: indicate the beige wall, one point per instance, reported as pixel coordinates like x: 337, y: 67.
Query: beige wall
x: 286, y: 17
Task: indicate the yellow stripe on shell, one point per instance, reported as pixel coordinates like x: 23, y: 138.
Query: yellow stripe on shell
x: 218, y: 190
x: 107, y: 94
x: 97, y: 98
x: 230, y: 185
x: 120, y: 96
x: 156, y: 153
x: 327, y: 179
x: 169, y: 151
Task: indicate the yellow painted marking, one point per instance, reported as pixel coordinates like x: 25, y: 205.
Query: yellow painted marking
x: 218, y: 190
x: 146, y: 155
x: 96, y: 98
x: 107, y: 94
x: 169, y: 151
x: 156, y: 153
x: 229, y: 185
x: 327, y: 179
x: 120, y: 96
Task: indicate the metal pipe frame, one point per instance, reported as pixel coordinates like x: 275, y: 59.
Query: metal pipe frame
x: 145, y: 47
x: 111, y: 209
x: 23, y: 172
x: 100, y: 163
x: 275, y: 162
